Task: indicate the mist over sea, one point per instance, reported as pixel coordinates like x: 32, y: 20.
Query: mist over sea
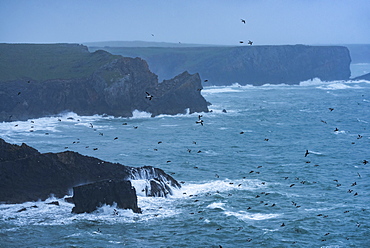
x: 246, y: 181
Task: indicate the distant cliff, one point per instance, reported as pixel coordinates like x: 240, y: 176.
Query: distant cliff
x: 363, y: 77
x: 257, y: 65
x: 41, y: 80
x: 360, y: 53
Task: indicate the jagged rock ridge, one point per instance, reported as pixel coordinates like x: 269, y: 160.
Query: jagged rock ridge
x: 28, y: 175
x: 88, y: 84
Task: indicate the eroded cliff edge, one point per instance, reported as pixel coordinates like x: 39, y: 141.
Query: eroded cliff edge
x: 41, y: 80
x: 255, y: 65
x: 28, y: 175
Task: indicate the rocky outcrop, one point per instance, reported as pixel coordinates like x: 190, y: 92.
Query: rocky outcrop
x: 27, y: 175
x: 256, y: 65
x: 87, y: 84
x: 87, y: 198
x: 160, y: 184
x: 9, y: 152
x: 363, y: 77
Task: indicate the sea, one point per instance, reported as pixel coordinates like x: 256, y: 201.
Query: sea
x: 271, y: 166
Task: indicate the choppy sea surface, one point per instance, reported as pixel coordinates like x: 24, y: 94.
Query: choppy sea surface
x: 246, y: 181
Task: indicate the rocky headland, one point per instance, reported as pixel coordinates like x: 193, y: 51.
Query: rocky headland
x: 28, y: 175
x: 363, y: 77
x: 255, y: 65
x: 39, y: 80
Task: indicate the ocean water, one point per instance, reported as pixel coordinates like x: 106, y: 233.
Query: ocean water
x: 246, y: 181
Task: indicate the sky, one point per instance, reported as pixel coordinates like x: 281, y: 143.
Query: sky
x: 268, y: 22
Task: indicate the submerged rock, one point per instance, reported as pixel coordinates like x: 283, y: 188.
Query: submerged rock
x: 87, y: 198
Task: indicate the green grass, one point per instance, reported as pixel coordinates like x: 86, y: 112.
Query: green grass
x: 42, y: 62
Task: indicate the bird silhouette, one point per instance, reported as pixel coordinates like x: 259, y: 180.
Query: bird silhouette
x: 149, y: 96
x: 200, y: 122
x: 250, y: 42
x: 306, y: 153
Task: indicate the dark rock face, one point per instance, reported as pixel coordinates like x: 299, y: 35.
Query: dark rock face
x: 256, y: 65
x: 27, y: 175
x: 117, y: 86
x: 10, y: 152
x: 89, y: 197
x: 177, y: 95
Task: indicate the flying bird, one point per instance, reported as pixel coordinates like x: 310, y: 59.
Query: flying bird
x: 306, y: 153
x: 250, y: 42
x: 149, y: 96
x: 199, y: 122
x: 243, y: 21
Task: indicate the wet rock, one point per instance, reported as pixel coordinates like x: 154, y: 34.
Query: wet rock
x: 56, y: 203
x: 87, y: 198
x: 27, y: 175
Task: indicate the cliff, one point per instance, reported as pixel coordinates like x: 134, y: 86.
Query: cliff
x: 87, y: 198
x: 363, y: 77
x: 256, y: 65
x: 27, y: 175
x: 360, y: 53
x: 44, y: 80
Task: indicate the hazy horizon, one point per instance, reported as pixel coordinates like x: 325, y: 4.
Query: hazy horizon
x: 192, y: 22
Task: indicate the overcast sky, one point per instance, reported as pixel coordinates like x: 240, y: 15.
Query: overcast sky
x: 272, y: 22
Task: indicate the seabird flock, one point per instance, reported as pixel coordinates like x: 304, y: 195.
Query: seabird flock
x: 249, y: 41
x: 200, y: 121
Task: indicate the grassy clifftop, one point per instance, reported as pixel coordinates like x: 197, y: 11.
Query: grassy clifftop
x: 42, y: 62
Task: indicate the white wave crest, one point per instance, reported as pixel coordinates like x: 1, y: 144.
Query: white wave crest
x: 217, y: 186
x: 338, y: 86
x: 215, y: 205
x: 312, y: 82
x: 216, y: 90
x: 242, y: 215
x: 136, y: 114
x: 335, y: 84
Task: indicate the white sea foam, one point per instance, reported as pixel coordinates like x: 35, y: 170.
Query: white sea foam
x: 242, y: 215
x: 222, y: 89
x: 136, y: 114
x: 216, y: 205
x: 217, y: 186
x: 338, y: 86
x: 41, y: 213
x: 274, y: 85
x: 312, y: 82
